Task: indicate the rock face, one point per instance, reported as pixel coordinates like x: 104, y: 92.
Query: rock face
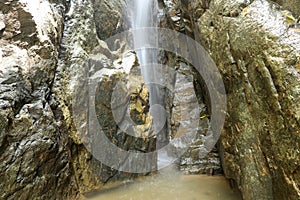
x: 257, y: 53
x: 183, y: 112
x: 292, y: 5
x: 109, y: 17
x: 34, y: 150
x: 43, y: 49
x: 87, y: 56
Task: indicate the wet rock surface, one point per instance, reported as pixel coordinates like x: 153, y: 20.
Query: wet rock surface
x: 88, y: 57
x: 257, y: 52
x: 196, y: 158
x: 43, y: 50
x: 34, y: 153
x: 109, y: 17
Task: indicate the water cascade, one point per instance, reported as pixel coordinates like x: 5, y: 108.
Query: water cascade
x: 142, y: 14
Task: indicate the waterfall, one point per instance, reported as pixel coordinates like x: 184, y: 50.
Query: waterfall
x: 144, y: 13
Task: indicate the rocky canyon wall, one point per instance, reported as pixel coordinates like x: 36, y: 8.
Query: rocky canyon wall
x: 45, y: 46
x: 256, y: 48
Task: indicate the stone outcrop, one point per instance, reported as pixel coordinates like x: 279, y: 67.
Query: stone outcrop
x: 257, y: 52
x: 109, y: 17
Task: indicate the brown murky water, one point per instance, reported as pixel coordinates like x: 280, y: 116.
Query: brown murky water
x: 172, y: 186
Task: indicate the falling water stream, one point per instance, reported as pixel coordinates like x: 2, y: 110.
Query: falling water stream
x: 144, y: 13
x: 169, y: 183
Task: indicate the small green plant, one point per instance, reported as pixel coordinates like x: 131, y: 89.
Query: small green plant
x: 290, y: 19
x: 204, y: 116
